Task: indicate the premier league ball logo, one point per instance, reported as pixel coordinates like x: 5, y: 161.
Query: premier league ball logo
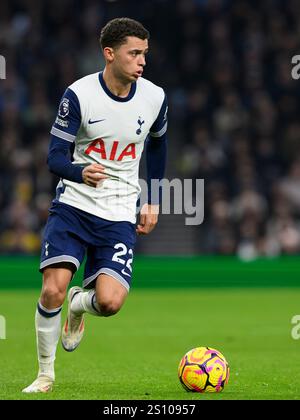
x: 64, y: 108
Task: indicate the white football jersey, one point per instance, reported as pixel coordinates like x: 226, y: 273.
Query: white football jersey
x: 109, y: 130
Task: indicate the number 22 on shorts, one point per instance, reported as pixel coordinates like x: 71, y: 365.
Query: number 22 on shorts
x: 121, y: 253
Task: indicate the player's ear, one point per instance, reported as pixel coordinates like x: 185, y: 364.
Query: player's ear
x: 108, y: 54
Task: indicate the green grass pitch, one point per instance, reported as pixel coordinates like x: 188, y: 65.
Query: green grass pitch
x: 135, y: 354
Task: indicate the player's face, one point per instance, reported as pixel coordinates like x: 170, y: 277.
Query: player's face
x: 129, y: 59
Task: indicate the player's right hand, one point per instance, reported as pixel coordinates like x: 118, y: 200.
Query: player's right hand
x: 93, y: 174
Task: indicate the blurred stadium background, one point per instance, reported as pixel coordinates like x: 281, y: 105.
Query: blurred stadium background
x: 233, y: 121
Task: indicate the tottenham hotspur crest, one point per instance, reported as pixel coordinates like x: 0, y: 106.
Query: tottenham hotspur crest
x: 140, y: 123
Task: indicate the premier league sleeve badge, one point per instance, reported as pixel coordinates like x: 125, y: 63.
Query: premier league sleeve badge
x: 64, y: 108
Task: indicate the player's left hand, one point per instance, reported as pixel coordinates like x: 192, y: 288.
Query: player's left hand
x: 148, y: 219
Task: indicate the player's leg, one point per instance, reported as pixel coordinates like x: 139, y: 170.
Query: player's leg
x: 62, y: 252
x: 48, y: 315
x: 110, y: 295
x: 107, y: 275
x: 105, y: 299
x: 48, y: 323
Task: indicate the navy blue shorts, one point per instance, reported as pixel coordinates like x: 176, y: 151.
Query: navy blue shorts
x: 70, y: 234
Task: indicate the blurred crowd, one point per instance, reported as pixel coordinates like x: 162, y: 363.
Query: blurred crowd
x: 234, y: 110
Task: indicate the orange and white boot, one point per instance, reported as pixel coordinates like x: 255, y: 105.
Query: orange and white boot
x: 73, y: 328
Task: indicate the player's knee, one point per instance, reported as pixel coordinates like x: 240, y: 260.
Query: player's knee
x: 53, y: 295
x: 109, y: 307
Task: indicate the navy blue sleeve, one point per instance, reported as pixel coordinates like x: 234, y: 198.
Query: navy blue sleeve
x: 68, y: 119
x: 63, y: 134
x: 156, y: 157
x: 156, y: 154
x: 159, y: 126
x: 59, y: 160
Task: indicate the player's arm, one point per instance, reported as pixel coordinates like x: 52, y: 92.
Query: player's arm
x: 63, y: 134
x: 156, y: 156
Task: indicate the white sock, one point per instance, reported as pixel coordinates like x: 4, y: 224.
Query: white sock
x: 85, y: 302
x: 47, y: 326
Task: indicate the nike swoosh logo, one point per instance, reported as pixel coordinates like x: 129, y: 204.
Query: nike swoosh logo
x: 96, y: 121
x: 123, y: 272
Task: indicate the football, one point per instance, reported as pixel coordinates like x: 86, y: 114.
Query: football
x: 203, y: 369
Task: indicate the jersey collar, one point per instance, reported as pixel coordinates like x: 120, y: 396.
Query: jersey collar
x: 115, y: 97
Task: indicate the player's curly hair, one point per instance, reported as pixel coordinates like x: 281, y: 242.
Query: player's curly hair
x: 114, y: 33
